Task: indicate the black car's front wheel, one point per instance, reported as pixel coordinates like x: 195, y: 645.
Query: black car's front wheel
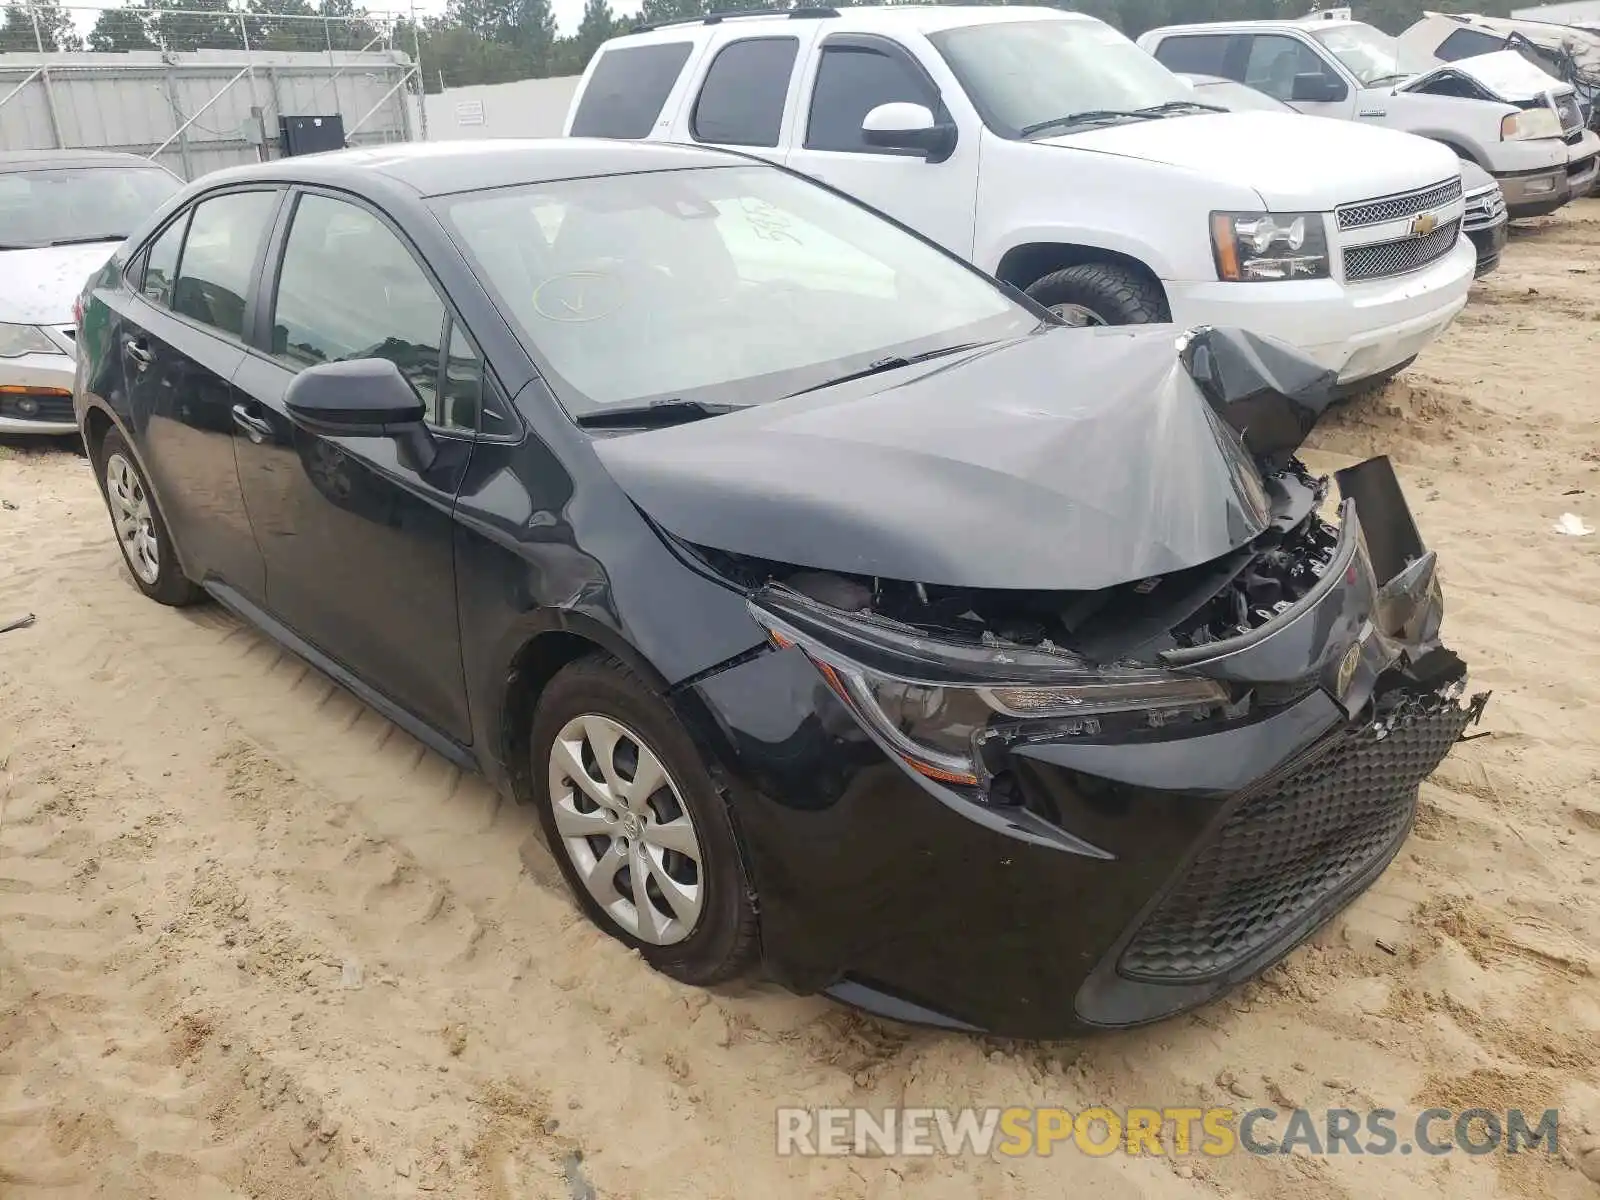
x: 141, y: 532
x: 638, y: 828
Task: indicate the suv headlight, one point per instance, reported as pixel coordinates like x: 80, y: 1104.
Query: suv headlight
x: 17, y: 340
x: 1265, y: 246
x: 926, y: 702
x: 1528, y: 124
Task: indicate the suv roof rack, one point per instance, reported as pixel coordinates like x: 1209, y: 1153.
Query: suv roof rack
x: 716, y: 18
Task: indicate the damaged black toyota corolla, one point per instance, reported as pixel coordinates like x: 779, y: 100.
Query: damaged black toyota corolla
x: 837, y: 609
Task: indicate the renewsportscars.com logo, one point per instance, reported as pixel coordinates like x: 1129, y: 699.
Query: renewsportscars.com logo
x: 1214, y: 1132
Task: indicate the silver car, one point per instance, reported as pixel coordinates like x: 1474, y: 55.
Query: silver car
x: 62, y: 212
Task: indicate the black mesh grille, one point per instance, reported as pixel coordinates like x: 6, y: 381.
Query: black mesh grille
x: 1284, y: 853
x: 50, y: 408
x: 1392, y: 208
x: 1382, y: 259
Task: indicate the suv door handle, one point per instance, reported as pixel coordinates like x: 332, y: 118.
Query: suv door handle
x: 255, y: 428
x: 135, y: 349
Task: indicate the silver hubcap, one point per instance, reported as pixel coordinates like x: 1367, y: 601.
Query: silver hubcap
x: 130, y: 512
x: 626, y: 829
x: 1077, y: 314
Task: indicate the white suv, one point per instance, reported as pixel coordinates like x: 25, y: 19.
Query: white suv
x: 1498, y: 110
x: 1050, y: 151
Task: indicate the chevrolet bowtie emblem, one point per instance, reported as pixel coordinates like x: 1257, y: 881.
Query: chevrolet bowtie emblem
x: 1424, y: 225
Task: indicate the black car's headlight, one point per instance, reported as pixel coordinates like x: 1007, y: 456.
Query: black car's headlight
x: 1260, y: 247
x: 933, y: 704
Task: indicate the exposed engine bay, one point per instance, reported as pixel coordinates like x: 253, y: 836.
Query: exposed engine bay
x: 1131, y: 621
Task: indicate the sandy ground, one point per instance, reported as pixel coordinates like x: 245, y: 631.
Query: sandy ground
x: 256, y: 941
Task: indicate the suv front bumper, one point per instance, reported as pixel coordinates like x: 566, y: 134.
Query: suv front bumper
x: 1360, y: 330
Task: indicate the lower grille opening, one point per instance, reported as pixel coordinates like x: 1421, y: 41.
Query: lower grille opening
x: 1297, y: 848
x: 37, y: 407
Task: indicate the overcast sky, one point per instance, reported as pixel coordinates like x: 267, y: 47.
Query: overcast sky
x: 568, y: 12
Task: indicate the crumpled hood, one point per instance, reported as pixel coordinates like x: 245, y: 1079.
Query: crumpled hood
x: 1505, y: 73
x: 1289, y: 163
x: 37, y: 287
x: 1066, y: 460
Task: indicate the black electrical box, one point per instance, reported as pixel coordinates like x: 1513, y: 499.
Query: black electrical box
x: 310, y: 135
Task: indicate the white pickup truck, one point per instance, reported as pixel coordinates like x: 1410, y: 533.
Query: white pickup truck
x: 1047, y: 149
x: 1498, y: 110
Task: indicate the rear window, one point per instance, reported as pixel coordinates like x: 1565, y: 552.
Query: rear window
x: 1464, y: 43
x: 626, y: 92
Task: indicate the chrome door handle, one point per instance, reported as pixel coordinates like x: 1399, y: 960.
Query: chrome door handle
x: 139, y: 352
x: 256, y: 429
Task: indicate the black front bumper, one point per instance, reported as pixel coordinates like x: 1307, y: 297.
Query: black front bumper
x: 1489, y: 243
x: 1123, y: 879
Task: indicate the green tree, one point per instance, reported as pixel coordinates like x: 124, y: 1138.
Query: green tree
x: 122, y: 29
x: 55, y: 30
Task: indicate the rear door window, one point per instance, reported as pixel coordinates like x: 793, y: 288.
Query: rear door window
x: 159, y: 268
x: 1205, y: 54
x: 627, y: 90
x: 219, y: 257
x: 741, y: 102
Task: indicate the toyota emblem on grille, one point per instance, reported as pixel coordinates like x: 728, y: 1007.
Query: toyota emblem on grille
x: 1424, y: 225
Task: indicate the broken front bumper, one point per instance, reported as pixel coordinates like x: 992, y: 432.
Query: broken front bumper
x: 1131, y: 877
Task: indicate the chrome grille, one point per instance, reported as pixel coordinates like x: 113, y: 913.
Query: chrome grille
x: 1392, y: 208
x: 1484, y: 209
x: 1383, y: 259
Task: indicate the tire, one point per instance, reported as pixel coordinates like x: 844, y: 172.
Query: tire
x: 1108, y: 293
x: 140, y: 530
x: 588, y: 703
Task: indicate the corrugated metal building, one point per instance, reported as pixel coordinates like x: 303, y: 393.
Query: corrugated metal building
x: 199, y: 111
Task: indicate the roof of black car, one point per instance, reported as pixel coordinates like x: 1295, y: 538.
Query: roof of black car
x: 439, y: 168
x: 44, y: 160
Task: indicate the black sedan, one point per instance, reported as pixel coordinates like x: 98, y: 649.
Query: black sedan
x: 839, y: 610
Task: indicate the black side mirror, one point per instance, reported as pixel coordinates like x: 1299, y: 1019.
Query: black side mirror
x: 1314, y: 87
x: 364, y: 397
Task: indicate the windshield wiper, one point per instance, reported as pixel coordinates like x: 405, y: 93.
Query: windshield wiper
x: 893, y: 363
x: 89, y: 237
x: 1381, y: 79
x: 1093, y: 114
x: 654, y: 415
x: 1177, y: 105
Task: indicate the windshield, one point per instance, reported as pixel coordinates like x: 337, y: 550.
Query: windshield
x: 726, y: 285
x: 1371, y: 55
x: 71, y: 204
x: 1022, y: 74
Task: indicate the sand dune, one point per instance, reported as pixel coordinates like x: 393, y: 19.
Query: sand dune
x: 255, y: 941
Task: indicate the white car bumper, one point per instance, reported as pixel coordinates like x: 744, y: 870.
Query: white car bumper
x: 1359, y: 330
x: 36, y: 394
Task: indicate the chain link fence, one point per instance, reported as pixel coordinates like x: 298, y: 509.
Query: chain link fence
x: 200, y: 88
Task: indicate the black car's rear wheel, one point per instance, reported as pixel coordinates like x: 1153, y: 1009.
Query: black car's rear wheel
x: 141, y: 532
x: 636, y: 825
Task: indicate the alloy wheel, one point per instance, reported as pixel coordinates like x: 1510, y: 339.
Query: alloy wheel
x: 130, y: 513
x: 626, y: 829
